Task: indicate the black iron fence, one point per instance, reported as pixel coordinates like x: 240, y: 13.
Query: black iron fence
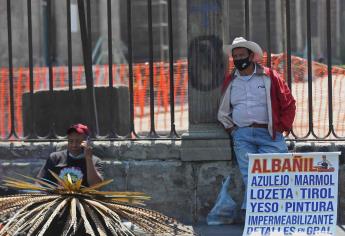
x: 29, y: 132
x: 23, y: 96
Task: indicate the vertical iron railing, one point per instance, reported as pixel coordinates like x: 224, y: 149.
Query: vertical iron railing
x: 52, y: 133
x: 173, y: 132
x: 132, y: 132
x: 310, y: 72
x: 329, y: 71
x: 268, y: 31
x: 32, y: 132
x: 85, y: 28
x: 288, y: 48
x: 246, y: 19
x: 288, y: 43
x: 152, y: 133
x: 112, y: 132
x: 13, y: 133
x: 69, y: 46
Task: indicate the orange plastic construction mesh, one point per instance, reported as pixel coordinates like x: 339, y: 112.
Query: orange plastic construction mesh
x: 320, y: 114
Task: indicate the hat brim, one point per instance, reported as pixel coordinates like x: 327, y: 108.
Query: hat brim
x: 254, y: 47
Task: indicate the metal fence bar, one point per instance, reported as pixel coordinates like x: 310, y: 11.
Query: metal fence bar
x: 288, y: 42
x: 310, y: 72
x: 329, y: 70
x: 288, y: 48
x: 86, y: 38
x: 10, y: 68
x: 92, y: 98
x: 49, y: 40
x: 69, y: 46
x: 173, y: 132
x: 88, y: 18
x: 52, y: 116
x: 268, y: 31
x: 112, y: 133
x: 246, y: 19
x: 130, y: 69
x: 32, y: 131
x: 152, y: 105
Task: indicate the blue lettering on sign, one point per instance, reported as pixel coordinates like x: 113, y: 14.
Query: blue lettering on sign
x: 314, y: 206
x: 289, y: 230
x: 316, y: 193
x: 268, y: 193
x: 268, y: 230
x: 264, y: 206
x: 318, y: 230
x: 316, y: 180
x: 291, y: 219
x: 270, y: 180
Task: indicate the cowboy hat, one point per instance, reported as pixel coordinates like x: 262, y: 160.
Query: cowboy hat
x: 241, y: 42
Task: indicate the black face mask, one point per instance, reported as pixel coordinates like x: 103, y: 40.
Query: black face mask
x: 242, y: 64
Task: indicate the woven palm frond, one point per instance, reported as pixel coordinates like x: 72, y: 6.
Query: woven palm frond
x: 68, y: 208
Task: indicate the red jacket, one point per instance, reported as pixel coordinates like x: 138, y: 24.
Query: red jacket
x: 282, y: 107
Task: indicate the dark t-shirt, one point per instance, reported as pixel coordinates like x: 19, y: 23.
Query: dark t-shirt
x: 62, y: 164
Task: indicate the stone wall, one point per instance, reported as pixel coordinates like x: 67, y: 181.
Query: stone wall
x: 185, y: 190
x: 182, y: 189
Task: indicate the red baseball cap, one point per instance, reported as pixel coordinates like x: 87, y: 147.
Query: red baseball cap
x: 78, y: 128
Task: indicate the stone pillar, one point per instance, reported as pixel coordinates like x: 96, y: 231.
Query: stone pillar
x: 205, y: 139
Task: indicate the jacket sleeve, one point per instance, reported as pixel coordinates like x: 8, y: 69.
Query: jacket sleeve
x: 287, y: 103
x: 224, y: 110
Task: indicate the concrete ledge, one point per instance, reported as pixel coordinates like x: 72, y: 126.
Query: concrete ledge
x: 205, y: 142
x: 319, y: 147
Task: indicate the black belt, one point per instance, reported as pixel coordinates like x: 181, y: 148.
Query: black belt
x: 255, y: 125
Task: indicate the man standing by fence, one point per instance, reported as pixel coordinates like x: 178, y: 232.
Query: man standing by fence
x: 256, y: 106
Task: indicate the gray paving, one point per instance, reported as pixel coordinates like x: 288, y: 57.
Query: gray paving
x: 219, y: 230
x: 236, y: 230
x: 223, y: 230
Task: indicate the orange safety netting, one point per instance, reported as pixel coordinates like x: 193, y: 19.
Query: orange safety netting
x: 162, y: 92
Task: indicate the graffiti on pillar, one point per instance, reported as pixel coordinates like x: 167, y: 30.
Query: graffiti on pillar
x: 205, y: 9
x: 206, y: 62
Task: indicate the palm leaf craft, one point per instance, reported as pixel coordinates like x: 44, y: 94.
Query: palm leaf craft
x: 68, y: 208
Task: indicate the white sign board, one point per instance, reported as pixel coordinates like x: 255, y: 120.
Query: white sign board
x: 292, y: 194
